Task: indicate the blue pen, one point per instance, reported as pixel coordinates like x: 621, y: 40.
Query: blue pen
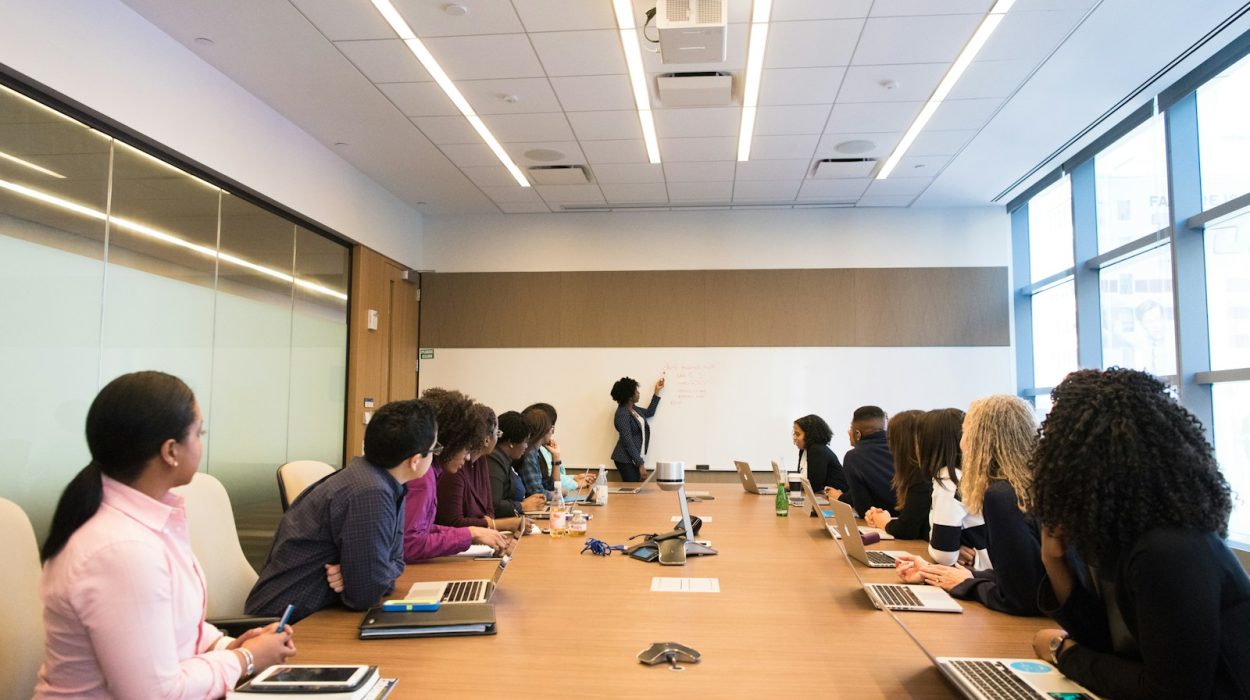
x: 285, y: 616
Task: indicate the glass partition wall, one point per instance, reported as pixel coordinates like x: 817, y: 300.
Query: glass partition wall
x: 113, y: 261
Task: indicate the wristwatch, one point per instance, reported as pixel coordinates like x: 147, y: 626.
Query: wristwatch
x: 1056, y: 643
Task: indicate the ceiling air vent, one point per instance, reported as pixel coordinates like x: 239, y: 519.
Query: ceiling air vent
x: 692, y: 31
x: 695, y: 89
x: 832, y: 168
x: 559, y: 174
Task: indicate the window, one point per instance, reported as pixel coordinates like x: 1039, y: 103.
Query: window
x: 1224, y: 135
x: 1054, y: 334
x: 1131, y: 186
x: 1232, y: 449
x: 1228, y: 291
x: 1138, y: 328
x: 1050, y: 230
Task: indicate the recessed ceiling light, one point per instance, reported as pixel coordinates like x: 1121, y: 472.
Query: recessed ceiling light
x: 455, y: 9
x: 637, y: 76
x: 761, y: 10
x: 203, y: 41
x: 855, y: 146
x: 544, y: 155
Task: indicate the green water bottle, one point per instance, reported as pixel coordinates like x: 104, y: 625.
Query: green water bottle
x: 783, y: 501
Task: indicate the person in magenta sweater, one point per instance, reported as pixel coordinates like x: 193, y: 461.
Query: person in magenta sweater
x: 461, y: 429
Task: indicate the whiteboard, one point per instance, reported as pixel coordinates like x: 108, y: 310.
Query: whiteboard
x: 720, y: 404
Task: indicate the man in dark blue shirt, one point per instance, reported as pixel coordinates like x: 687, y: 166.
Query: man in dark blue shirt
x: 341, y: 541
x: 868, y: 464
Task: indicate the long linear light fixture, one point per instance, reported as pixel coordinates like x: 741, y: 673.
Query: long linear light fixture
x: 32, y: 166
x: 986, y: 28
x: 418, y: 49
x: 761, y: 10
x: 637, y: 76
x: 156, y: 234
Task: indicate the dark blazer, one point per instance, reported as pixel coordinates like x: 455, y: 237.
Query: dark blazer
x: 824, y: 469
x: 869, y: 470
x: 1184, y: 600
x: 503, y: 495
x: 912, y: 522
x: 1015, y: 548
x: 633, y: 439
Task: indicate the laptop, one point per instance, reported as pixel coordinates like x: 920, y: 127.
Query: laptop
x: 844, y: 522
x: 827, y: 517
x: 467, y: 591
x: 634, y: 489
x: 748, y: 481
x: 995, y: 679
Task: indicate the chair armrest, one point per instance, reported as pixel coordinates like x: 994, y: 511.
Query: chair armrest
x: 234, y: 626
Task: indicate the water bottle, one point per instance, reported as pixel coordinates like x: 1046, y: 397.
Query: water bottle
x: 599, y: 491
x: 559, y: 513
x: 783, y: 500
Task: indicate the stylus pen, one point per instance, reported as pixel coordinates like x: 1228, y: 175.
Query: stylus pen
x: 285, y: 617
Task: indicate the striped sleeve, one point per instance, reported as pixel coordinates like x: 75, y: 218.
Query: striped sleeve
x: 946, y: 521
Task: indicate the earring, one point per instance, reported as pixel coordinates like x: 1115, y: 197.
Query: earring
x: 174, y: 464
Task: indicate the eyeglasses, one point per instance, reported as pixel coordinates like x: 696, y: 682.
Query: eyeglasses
x: 436, y: 449
x: 498, y: 433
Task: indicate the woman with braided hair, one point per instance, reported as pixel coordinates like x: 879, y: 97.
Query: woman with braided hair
x: 1133, y: 511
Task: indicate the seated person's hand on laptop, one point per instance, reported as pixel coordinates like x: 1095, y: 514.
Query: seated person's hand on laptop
x: 967, y: 555
x: 908, y: 567
x: 334, y: 577
x: 876, y: 517
x: 832, y: 493
x: 944, y: 577
x: 534, y: 503
x: 491, y: 538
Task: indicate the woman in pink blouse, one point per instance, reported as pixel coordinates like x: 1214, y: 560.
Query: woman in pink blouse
x: 123, y: 595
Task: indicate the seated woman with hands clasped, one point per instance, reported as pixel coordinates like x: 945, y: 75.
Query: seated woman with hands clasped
x: 817, y: 463
x: 999, y: 434
x: 123, y: 594
x: 913, y: 492
x: 1134, y: 512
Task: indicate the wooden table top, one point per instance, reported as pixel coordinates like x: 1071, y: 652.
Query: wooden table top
x: 790, y: 617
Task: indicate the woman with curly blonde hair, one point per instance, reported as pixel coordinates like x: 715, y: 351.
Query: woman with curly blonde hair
x: 999, y: 436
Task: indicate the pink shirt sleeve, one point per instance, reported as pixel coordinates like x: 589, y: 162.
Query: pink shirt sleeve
x: 422, y: 538
x: 126, y: 600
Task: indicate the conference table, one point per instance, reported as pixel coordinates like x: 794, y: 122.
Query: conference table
x: 790, y: 617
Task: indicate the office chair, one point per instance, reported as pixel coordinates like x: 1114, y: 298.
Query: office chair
x: 21, y: 612
x: 294, y: 477
x: 215, y: 542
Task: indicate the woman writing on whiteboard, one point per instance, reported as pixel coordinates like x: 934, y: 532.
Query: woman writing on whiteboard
x: 630, y: 453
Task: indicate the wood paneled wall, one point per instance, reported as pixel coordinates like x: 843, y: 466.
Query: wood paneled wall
x: 840, y: 307
x: 381, y: 363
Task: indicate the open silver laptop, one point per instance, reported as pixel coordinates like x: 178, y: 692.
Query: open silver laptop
x: 747, y: 479
x: 828, y: 519
x: 1001, y: 679
x: 466, y: 591
x: 634, y: 489
x: 844, y: 522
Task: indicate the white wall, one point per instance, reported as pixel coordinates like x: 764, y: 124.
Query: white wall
x: 103, y: 55
x: 719, y: 239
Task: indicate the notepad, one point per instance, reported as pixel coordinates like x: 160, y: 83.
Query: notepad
x: 477, y: 550
x: 669, y: 584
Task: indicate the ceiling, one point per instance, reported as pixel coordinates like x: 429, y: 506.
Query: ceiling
x: 550, y: 75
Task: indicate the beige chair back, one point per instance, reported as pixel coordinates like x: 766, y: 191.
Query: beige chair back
x: 21, y: 611
x: 215, y: 541
x: 294, y: 477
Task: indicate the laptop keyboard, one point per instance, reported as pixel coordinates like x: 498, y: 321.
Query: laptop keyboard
x: 993, y: 679
x: 462, y: 591
x: 898, y: 597
x: 880, y: 558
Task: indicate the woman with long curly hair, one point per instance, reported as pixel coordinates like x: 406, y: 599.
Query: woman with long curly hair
x: 1157, y: 605
x: 999, y: 434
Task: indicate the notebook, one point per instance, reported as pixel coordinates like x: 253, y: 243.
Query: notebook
x: 466, y: 591
x: 747, y: 479
x: 844, y: 522
x: 635, y: 489
x: 447, y: 621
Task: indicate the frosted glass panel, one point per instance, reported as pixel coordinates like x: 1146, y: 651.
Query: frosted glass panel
x: 51, y: 275
x: 251, y: 353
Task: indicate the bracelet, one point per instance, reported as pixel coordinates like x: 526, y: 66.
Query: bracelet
x: 490, y: 522
x: 556, y: 462
x: 251, y: 660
